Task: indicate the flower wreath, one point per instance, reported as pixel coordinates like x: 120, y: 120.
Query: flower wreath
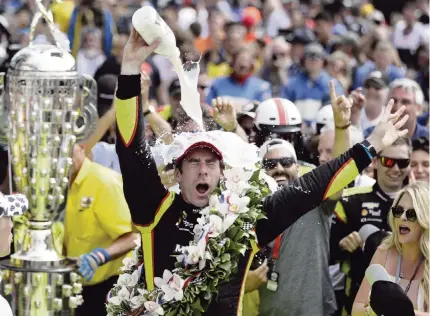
x: 222, y: 234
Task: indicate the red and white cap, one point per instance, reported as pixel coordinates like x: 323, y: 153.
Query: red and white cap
x: 228, y: 147
x: 200, y: 144
x: 278, y: 115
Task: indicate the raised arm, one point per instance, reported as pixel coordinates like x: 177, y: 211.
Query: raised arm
x: 284, y: 207
x: 142, y: 186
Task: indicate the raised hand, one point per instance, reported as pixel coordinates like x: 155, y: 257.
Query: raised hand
x: 358, y: 99
x: 341, y: 108
x: 388, y: 129
x: 136, y: 51
x: 224, y: 114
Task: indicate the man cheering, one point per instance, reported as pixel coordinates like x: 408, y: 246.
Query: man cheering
x: 166, y: 219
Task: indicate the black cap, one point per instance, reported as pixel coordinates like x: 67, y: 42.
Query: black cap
x: 388, y: 299
x: 314, y: 49
x: 376, y: 80
x: 175, y: 88
x: 301, y: 36
x: 106, y: 86
x: 421, y: 143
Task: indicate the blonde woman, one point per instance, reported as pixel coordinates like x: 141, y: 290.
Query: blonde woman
x: 405, y: 253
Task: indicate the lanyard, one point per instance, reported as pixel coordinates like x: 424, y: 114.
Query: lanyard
x: 399, y: 263
x: 276, y: 247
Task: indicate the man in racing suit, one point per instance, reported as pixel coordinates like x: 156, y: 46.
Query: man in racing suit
x: 166, y: 219
x: 360, y: 206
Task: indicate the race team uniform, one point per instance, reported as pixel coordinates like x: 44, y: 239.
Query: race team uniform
x: 359, y: 206
x: 166, y: 221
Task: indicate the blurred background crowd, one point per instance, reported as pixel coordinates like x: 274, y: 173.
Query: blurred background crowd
x: 271, y: 61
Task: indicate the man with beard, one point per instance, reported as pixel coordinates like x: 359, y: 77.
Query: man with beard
x: 367, y: 205
x: 309, y: 293
x: 166, y: 219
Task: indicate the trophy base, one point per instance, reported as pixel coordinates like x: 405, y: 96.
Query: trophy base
x: 40, y: 251
x: 45, y: 291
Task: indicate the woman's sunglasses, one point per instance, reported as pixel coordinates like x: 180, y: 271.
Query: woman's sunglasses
x: 390, y: 162
x: 398, y: 211
x: 272, y: 163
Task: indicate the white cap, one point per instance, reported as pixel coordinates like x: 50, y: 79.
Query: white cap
x: 274, y: 144
x: 376, y: 272
x: 325, y: 115
x: 366, y: 231
x: 278, y: 114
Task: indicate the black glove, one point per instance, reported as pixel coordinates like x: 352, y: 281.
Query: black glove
x: 389, y: 299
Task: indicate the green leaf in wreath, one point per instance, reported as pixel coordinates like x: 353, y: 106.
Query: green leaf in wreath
x: 226, y: 266
x: 225, y: 257
x: 196, y: 305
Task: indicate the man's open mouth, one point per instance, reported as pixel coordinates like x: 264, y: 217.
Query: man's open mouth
x: 202, y: 188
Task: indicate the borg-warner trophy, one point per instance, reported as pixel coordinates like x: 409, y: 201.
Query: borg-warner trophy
x: 49, y: 108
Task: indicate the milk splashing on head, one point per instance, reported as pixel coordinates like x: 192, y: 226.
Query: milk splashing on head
x: 190, y: 97
x: 151, y: 26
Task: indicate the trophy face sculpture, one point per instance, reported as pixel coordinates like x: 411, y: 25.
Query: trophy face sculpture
x: 49, y: 108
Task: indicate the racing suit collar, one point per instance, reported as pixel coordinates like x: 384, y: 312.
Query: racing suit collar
x: 378, y: 191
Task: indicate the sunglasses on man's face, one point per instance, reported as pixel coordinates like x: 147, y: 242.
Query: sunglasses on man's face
x: 398, y: 211
x: 284, y: 162
x: 390, y: 162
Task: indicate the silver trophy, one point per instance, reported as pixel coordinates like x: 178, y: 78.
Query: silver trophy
x: 49, y: 108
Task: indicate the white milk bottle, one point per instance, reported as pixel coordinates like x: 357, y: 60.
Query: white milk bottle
x: 148, y: 23
x: 151, y: 26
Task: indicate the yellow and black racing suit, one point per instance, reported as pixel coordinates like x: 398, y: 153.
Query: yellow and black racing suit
x: 165, y: 220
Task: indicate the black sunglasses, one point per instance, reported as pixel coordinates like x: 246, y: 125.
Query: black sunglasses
x: 398, y: 211
x: 390, y: 162
x: 272, y: 163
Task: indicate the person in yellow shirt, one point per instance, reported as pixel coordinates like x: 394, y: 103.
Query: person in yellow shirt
x: 98, y: 231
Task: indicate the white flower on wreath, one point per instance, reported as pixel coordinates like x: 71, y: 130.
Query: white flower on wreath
x: 137, y: 300
x: 215, y: 203
x: 122, y: 295
x: 236, y: 180
x: 271, y: 183
x: 237, y: 204
x: 128, y: 279
x: 153, y: 308
x: 129, y: 263
x: 196, y: 254
x: 138, y: 242
x: 218, y: 225
x: 171, y: 285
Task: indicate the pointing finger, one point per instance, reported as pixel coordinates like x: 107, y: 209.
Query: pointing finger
x: 333, y: 96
